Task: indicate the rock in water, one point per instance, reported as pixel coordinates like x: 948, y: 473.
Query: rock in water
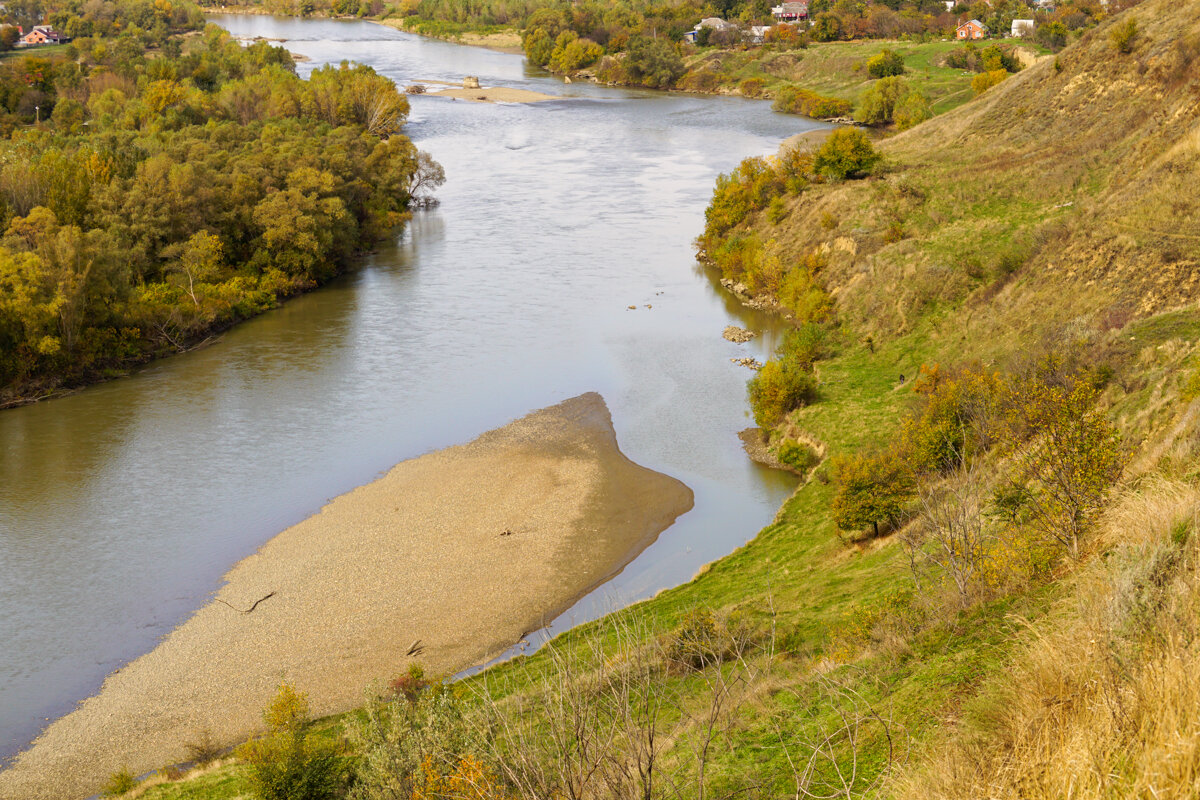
x: 739, y: 335
x: 470, y: 82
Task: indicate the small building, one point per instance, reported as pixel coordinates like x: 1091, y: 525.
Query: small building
x: 716, y: 23
x: 1023, y: 27
x: 758, y: 33
x: 790, y: 12
x: 42, y: 34
x: 971, y: 29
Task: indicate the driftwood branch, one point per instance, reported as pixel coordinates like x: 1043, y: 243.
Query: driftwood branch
x: 251, y: 608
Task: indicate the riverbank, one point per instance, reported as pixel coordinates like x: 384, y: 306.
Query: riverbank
x: 450, y: 558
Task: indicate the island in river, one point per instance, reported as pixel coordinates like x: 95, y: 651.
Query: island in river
x: 456, y: 554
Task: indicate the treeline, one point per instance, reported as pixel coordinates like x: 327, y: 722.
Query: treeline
x: 151, y: 196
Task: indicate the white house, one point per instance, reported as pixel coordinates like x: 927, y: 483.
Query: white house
x: 1023, y: 27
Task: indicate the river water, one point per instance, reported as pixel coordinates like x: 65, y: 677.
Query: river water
x: 123, y: 505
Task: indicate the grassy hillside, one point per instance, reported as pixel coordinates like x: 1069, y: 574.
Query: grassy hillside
x: 1032, y: 258
x: 839, y: 69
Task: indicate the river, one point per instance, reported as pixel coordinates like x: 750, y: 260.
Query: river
x: 123, y: 505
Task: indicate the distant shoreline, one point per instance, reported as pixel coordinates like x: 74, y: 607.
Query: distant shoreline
x: 456, y: 554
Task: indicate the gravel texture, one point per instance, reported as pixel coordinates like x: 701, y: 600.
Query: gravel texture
x: 466, y: 550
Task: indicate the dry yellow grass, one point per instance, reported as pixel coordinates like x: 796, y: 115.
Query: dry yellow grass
x: 1104, y: 703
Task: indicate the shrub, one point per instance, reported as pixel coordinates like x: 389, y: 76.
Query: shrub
x: 794, y: 100
x: 777, y: 210
x: 885, y: 64
x: 779, y: 387
x: 751, y: 87
x: 797, y: 455
x: 913, y: 109
x: 986, y: 80
x: 846, y: 153
x: 410, y: 684
x: 289, y: 763
x: 574, y: 53
x: 119, y: 783
x: 1124, y: 35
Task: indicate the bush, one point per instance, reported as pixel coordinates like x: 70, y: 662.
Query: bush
x: 119, y: 783
x: 913, y: 109
x: 797, y: 455
x: 410, y: 684
x: 846, y: 153
x: 877, y: 105
x: 289, y: 763
x: 885, y: 64
x: 794, y: 100
x: 751, y: 87
x: 986, y: 80
x: 828, y: 27
x: 1124, y: 35
x: 779, y: 387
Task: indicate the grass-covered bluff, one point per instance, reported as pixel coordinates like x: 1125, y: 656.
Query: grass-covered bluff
x: 1024, y: 619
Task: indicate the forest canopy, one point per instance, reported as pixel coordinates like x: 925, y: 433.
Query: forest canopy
x: 159, y: 181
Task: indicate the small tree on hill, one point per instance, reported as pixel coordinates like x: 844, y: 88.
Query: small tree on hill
x: 872, y: 487
x: 846, y: 153
x: 1067, y: 453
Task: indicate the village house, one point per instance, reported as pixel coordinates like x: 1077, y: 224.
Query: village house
x: 713, y: 23
x: 42, y: 34
x: 971, y: 29
x: 790, y: 12
x: 1023, y: 27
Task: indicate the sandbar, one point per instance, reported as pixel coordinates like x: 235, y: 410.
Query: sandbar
x: 494, y: 94
x: 464, y: 550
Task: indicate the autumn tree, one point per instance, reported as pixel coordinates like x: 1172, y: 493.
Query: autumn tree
x: 871, y: 487
x: 1066, y: 453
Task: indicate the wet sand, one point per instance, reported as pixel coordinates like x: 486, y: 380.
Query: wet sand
x: 464, y: 550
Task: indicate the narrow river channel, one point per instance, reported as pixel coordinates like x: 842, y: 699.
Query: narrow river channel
x: 123, y: 505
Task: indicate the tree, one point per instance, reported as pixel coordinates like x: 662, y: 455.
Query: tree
x: 913, y: 109
x: 871, y: 487
x: 1066, y: 453
x: 199, y: 261
x: 847, y: 152
x: 827, y: 27
x: 654, y: 62
x: 878, y: 104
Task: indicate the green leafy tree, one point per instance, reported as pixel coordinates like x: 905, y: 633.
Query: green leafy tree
x: 871, y: 488
x: 654, y: 62
x: 913, y: 109
x: 828, y: 27
x: 877, y: 106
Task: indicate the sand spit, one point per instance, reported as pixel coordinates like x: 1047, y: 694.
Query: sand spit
x: 465, y: 550
x: 494, y: 94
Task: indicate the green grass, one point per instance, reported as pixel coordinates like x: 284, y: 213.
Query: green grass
x: 44, y: 51
x: 838, y: 69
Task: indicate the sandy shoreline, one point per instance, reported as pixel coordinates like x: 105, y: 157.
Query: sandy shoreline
x: 420, y: 554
